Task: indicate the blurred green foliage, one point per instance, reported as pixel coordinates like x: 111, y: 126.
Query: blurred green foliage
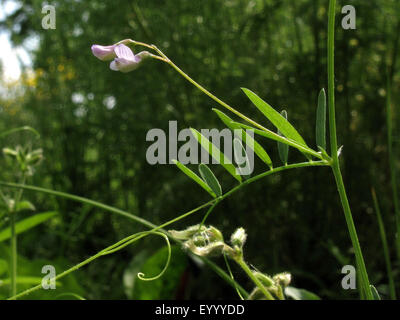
x: 93, y: 124
x: 27, y: 268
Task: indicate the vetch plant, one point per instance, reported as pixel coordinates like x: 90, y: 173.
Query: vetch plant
x: 201, y: 239
x: 289, y: 136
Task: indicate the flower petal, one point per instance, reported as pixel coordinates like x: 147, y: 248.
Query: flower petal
x: 104, y: 53
x: 124, y: 52
x: 123, y: 65
x: 113, y: 66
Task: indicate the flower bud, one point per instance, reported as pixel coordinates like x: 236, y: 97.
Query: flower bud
x: 213, y: 234
x: 202, y: 241
x: 35, y: 157
x: 283, y: 278
x: 10, y: 204
x: 238, y: 238
x: 212, y: 249
x: 10, y: 152
x: 188, y: 233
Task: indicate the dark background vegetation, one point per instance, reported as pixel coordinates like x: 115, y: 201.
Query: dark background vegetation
x: 277, y: 49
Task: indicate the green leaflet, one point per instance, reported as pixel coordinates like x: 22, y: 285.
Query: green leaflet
x: 277, y: 119
x: 240, y: 154
x: 257, y: 148
x: 273, y: 136
x: 194, y: 177
x: 283, y: 148
x: 209, y: 177
x: 216, y: 154
x: 26, y: 224
x: 320, y: 128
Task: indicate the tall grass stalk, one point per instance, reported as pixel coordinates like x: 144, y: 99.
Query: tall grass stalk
x: 386, y: 253
x: 393, y: 177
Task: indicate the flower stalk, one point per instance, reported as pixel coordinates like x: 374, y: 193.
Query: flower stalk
x: 256, y: 281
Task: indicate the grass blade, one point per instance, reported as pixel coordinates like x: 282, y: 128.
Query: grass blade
x: 386, y: 253
x: 194, y: 177
x: 26, y: 224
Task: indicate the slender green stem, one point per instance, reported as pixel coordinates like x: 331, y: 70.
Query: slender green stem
x: 13, y: 255
x: 334, y: 154
x: 208, y: 93
x: 280, y: 293
x: 331, y: 79
x: 224, y: 276
x: 13, y: 241
x: 81, y: 200
x: 208, y: 213
x: 365, y: 285
x: 386, y: 253
x: 205, y: 91
x: 137, y: 43
x: 231, y: 275
x: 250, y: 274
